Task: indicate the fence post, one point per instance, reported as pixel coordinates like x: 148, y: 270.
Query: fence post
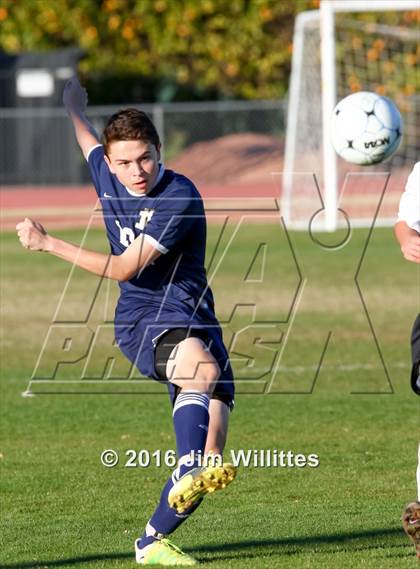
x: 159, y: 122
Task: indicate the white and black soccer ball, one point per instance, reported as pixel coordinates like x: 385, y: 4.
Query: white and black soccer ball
x: 366, y: 128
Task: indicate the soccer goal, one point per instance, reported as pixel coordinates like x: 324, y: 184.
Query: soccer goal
x: 337, y: 52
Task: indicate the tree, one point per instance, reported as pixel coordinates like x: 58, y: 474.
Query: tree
x: 164, y: 49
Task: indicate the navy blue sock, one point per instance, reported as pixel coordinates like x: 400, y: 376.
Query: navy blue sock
x: 165, y: 519
x: 191, y: 420
x: 191, y: 423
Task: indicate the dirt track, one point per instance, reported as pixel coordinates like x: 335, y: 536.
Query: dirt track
x: 234, y: 172
x: 73, y: 206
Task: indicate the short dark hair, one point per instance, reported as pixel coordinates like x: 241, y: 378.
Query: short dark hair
x: 129, y: 124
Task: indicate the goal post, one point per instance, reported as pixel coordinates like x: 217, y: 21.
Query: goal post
x: 315, y: 90
x: 329, y: 99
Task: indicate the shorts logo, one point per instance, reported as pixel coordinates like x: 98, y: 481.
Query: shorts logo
x: 127, y: 235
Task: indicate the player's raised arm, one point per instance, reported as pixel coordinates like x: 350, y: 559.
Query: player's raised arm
x: 122, y: 267
x: 75, y: 100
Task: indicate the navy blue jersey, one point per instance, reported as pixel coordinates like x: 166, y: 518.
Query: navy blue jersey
x: 171, y: 216
x: 168, y: 216
x: 173, y: 291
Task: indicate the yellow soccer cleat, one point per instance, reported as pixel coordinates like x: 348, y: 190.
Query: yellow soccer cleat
x: 162, y: 552
x: 198, y: 482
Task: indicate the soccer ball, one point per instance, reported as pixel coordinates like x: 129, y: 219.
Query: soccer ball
x: 366, y: 128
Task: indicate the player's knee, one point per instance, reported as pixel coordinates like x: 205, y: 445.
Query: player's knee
x: 205, y: 377
x: 209, y: 375
x: 201, y: 377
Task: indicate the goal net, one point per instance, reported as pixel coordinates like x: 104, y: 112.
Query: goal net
x: 333, y: 57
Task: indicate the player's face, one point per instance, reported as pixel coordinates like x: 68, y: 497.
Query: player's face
x: 135, y: 163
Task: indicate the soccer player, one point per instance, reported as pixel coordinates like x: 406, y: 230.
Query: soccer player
x: 407, y: 232
x: 165, y: 321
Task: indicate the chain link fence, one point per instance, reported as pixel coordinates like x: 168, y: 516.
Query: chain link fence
x: 38, y: 145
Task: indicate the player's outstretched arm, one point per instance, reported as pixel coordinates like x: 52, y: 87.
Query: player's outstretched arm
x: 75, y: 100
x: 122, y: 267
x: 409, y: 241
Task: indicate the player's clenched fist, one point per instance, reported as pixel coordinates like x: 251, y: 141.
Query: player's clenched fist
x: 75, y: 96
x: 32, y: 235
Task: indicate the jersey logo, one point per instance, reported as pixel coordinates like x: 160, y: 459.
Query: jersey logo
x: 145, y: 215
x: 127, y: 235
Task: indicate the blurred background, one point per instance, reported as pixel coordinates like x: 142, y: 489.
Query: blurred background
x: 213, y: 74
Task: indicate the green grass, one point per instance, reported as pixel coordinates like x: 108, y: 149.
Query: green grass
x: 61, y: 508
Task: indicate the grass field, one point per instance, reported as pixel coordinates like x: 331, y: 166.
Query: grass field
x: 62, y: 508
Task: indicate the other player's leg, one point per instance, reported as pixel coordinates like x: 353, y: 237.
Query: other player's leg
x: 415, y: 356
x: 411, y: 524
x: 411, y: 515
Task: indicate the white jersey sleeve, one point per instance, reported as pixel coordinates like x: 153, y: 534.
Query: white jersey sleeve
x: 409, y: 210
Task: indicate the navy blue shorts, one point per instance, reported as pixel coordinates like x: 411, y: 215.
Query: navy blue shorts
x: 164, y: 346
x: 144, y: 344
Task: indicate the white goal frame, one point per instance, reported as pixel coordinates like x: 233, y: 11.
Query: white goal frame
x: 326, y: 15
